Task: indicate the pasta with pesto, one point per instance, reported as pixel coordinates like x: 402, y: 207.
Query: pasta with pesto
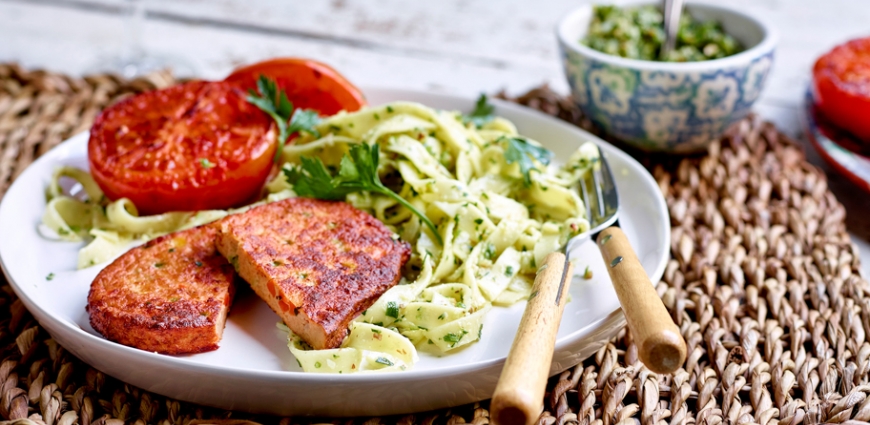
x: 496, y: 222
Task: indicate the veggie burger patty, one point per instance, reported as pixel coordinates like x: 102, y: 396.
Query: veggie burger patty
x: 317, y: 264
x: 170, y: 295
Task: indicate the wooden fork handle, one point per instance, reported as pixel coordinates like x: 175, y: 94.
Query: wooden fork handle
x: 519, y: 396
x: 660, y: 345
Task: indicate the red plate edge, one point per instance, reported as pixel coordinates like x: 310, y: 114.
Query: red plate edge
x: 818, y: 137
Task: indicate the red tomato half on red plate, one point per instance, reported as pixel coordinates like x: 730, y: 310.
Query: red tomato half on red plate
x: 309, y: 84
x: 189, y: 147
x: 841, y: 87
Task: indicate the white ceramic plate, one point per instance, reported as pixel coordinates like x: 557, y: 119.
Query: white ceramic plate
x: 254, y: 371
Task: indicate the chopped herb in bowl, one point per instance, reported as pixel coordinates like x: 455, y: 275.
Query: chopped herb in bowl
x: 638, y: 33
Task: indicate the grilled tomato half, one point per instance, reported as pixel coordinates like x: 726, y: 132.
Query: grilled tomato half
x: 194, y: 146
x: 309, y: 84
x: 841, y: 87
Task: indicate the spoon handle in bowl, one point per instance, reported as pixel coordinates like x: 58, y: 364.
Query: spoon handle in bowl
x: 671, y: 10
x: 518, y: 397
x: 660, y: 345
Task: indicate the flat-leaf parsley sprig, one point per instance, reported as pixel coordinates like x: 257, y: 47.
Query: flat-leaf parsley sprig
x: 520, y: 151
x: 482, y: 113
x: 290, y: 120
x: 357, y: 172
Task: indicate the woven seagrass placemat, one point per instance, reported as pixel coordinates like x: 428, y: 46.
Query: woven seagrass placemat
x: 763, y: 282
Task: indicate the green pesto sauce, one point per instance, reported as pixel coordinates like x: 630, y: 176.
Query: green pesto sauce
x: 638, y: 33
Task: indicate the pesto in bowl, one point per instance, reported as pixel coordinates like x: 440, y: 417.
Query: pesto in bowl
x: 656, y: 105
x: 638, y: 33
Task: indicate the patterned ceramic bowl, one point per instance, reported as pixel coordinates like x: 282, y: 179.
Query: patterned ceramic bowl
x: 667, y: 106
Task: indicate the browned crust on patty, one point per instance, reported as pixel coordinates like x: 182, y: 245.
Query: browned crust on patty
x: 170, y: 295
x: 317, y: 264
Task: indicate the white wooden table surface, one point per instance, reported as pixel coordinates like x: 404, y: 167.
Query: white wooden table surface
x: 452, y: 46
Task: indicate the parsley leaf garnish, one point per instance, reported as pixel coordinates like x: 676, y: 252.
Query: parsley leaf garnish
x: 384, y: 361
x: 393, y: 309
x: 482, y: 113
x: 304, y: 120
x: 205, y: 163
x: 358, y: 171
x: 454, y: 338
x: 274, y: 102
x: 520, y: 151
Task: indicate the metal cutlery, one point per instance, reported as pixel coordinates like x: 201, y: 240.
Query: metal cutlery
x: 671, y: 9
x: 518, y: 397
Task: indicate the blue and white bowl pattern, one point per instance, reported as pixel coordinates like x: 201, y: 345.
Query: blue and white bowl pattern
x: 667, y: 106
x: 664, y: 110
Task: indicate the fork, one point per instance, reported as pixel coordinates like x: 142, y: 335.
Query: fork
x: 518, y: 397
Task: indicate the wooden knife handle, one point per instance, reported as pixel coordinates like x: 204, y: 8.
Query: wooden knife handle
x: 519, y: 396
x: 660, y: 345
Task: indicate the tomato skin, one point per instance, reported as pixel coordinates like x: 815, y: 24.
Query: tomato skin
x: 841, y: 87
x: 309, y: 84
x: 149, y: 148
